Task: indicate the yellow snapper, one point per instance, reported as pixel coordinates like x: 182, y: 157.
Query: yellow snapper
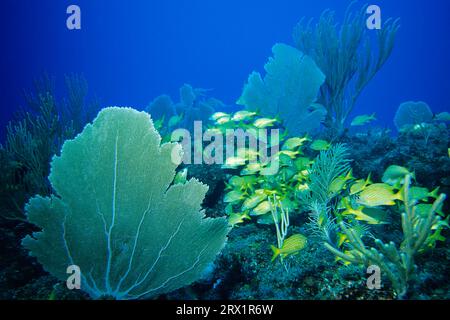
x: 234, y: 162
x: 339, y: 183
x: 291, y: 246
x: 243, y: 115
x: 253, y: 201
x: 369, y: 215
x: 302, y: 163
x: 320, y: 145
x: 216, y: 116
x: 360, y: 185
x: 363, y: 120
x: 236, y: 182
x: 234, y: 196
x: 213, y: 131
x: 247, y: 153
x: 290, y: 154
x: 264, y: 123
x: 294, y: 143
x: 223, y: 120
x: 252, y: 168
x: 303, y: 187
x: 395, y: 174
x: 238, y: 218
x: 379, y: 194
x: 263, y: 208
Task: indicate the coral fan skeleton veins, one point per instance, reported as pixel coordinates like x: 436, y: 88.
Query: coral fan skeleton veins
x: 147, y: 238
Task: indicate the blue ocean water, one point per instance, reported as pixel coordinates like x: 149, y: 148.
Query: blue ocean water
x: 133, y: 51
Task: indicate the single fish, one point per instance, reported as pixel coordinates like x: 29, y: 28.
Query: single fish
x: 302, y: 163
x: 223, y: 120
x: 235, y: 182
x: 339, y: 183
x: 264, y: 123
x: 363, y: 120
x: 252, y: 168
x: 234, y: 162
x: 372, y: 216
x: 293, y: 143
x: 216, y: 116
x: 291, y: 246
x: 360, y: 185
x: 247, y: 153
x: 395, y: 174
x: 290, y: 154
x: 243, y: 115
x: 379, y: 194
x: 253, y: 201
x: 320, y: 145
x: 238, y: 218
x: 213, y: 131
x: 302, y: 187
x: 262, y: 208
x: 234, y: 196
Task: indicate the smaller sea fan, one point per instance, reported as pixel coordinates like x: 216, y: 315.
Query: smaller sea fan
x: 412, y: 113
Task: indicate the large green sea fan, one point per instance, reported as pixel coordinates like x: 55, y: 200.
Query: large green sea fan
x: 118, y: 216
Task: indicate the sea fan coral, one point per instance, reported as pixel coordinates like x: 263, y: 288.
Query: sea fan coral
x: 288, y: 90
x: 411, y: 113
x: 117, y: 216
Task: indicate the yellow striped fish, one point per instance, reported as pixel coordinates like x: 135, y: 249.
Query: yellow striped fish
x: 291, y: 245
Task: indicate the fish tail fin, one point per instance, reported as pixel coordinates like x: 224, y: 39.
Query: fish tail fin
x: 374, y: 116
x: 276, y: 252
x: 369, y: 179
x: 400, y: 195
x: 277, y: 118
x: 435, y: 193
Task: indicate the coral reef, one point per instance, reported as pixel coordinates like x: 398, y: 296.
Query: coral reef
x: 305, y: 222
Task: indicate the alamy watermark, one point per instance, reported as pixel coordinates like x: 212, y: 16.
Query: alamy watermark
x: 374, y: 280
x: 73, y: 21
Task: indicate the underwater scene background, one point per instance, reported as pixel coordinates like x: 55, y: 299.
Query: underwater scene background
x: 117, y: 121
